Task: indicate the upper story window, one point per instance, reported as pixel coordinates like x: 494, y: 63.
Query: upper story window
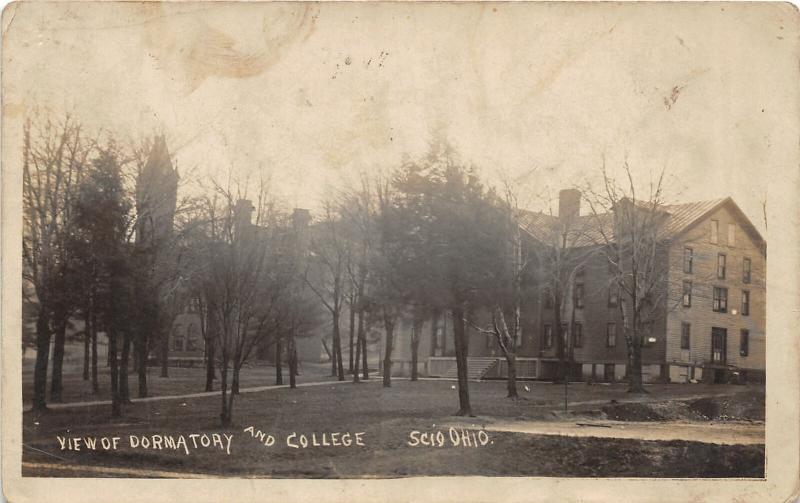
x: 611, y: 335
x: 613, y: 296
x: 688, y: 259
x: 721, y: 262
x: 579, y: 290
x: 578, y: 337
x: 548, y: 336
x: 548, y: 298
x: 686, y: 333
x: 687, y: 294
x: 745, y: 303
x: 720, y: 302
x: 715, y: 231
x: 731, y: 234
x: 746, y: 266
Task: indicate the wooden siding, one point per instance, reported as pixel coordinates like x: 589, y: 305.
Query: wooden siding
x: 704, y: 278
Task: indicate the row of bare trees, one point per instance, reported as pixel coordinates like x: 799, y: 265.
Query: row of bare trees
x: 84, y: 259
x: 427, y: 238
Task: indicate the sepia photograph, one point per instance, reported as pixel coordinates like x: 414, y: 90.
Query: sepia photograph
x: 516, y: 241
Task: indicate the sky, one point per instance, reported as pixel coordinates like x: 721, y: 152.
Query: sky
x: 312, y: 94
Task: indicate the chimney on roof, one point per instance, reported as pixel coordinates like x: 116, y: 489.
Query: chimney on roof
x: 569, y: 204
x: 243, y: 213
x: 300, y: 218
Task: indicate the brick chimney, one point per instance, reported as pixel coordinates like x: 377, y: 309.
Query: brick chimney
x: 300, y: 218
x: 243, y: 214
x: 569, y: 204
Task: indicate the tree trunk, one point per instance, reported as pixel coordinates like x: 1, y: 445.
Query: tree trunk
x: 235, y: 382
x: 337, y: 343
x: 462, y: 348
x: 388, y: 323
x: 87, y: 341
x: 42, y: 357
x: 58, y: 360
x: 210, y: 363
x: 511, y: 384
x: 141, y: 366
x: 293, y: 362
x: 559, y: 334
x: 124, y: 390
x: 434, y: 333
x: 95, y: 382
x: 225, y: 416
x: 333, y: 356
x: 278, y: 361
x: 416, y: 335
x: 165, y: 354
x: 116, y: 408
x: 352, y: 333
x: 635, y: 384
x: 364, y: 368
x: 356, y: 369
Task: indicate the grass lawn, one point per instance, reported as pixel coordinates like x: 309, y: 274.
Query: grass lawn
x: 386, y: 417
x: 180, y: 381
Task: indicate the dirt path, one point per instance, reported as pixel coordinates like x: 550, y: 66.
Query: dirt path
x: 254, y: 389
x: 724, y: 433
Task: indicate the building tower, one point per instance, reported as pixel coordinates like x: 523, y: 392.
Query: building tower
x: 156, y: 198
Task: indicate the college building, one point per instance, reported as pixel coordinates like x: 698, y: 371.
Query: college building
x: 708, y: 323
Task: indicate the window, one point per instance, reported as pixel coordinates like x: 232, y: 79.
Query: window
x: 688, y: 257
x: 191, y: 337
x: 578, y: 339
x: 715, y: 231
x: 548, y: 336
x: 746, y: 270
x: 687, y: 294
x: 686, y: 333
x: 720, y: 303
x: 194, y: 306
x: 745, y: 303
x: 721, y: 261
x: 611, y: 335
x: 731, y: 234
x: 177, y: 343
x: 579, y: 295
x: 613, y: 296
x: 548, y: 298
x: 744, y: 342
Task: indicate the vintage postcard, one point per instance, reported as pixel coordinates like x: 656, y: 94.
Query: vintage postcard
x: 424, y: 251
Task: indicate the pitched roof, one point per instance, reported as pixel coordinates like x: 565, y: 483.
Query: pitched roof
x: 682, y: 216
x: 589, y: 230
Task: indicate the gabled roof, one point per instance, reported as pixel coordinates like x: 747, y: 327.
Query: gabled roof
x: 587, y: 230
x: 682, y: 216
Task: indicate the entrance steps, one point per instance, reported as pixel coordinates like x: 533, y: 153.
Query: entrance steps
x: 477, y: 367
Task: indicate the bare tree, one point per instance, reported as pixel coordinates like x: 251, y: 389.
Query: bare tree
x: 325, y: 276
x: 236, y: 264
x: 54, y: 156
x: 633, y: 243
